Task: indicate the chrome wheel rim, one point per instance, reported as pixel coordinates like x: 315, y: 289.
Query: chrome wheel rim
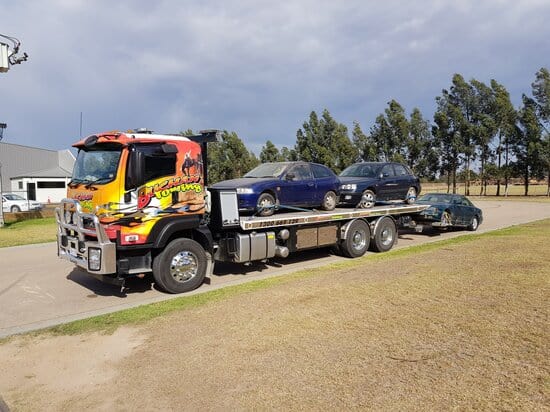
x: 474, y: 223
x: 386, y: 236
x: 265, y: 203
x: 411, y: 194
x: 367, y: 200
x: 184, y: 266
x: 330, y: 200
x: 358, y: 240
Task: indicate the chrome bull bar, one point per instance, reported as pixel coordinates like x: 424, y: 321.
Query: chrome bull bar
x: 97, y: 256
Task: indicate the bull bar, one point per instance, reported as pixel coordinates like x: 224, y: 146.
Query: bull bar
x: 72, y: 244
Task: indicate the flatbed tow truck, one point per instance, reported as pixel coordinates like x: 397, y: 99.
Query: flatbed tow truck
x: 138, y: 203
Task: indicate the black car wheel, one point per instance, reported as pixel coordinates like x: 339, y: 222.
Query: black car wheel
x: 266, y: 204
x: 411, y: 196
x: 329, y: 201
x: 474, y: 224
x: 446, y: 221
x: 15, y: 209
x: 368, y: 200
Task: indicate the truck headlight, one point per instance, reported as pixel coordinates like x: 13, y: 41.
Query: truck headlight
x: 245, y: 190
x: 349, y: 186
x: 94, y: 258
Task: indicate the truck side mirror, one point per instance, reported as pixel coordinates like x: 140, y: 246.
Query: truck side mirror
x: 290, y: 177
x: 135, y: 171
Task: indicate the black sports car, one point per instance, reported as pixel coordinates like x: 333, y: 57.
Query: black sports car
x: 448, y: 210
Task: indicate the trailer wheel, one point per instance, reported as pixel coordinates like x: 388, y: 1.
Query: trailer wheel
x: 181, y: 267
x: 357, y: 239
x: 329, y: 201
x: 385, y: 235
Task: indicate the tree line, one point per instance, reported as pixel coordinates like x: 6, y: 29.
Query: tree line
x: 475, y: 127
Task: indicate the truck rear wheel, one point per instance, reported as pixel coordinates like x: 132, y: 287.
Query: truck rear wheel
x: 357, y: 239
x: 181, y: 267
x: 385, y: 235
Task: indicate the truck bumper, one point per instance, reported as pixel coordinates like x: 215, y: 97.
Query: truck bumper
x: 82, y: 240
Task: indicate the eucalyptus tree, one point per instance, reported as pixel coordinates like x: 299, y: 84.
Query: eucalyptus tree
x: 421, y: 153
x: 505, y: 117
x: 229, y: 159
x: 324, y: 140
x: 541, y: 94
x: 390, y: 133
x: 527, y: 146
x: 270, y: 153
x: 364, y: 144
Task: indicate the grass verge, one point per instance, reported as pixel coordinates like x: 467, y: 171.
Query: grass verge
x: 28, y: 232
x: 109, y: 322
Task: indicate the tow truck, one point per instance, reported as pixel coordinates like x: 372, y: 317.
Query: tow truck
x: 139, y: 203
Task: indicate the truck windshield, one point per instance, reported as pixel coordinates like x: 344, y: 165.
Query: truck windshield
x: 96, y: 166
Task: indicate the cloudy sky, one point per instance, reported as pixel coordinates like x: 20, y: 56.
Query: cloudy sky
x: 254, y: 67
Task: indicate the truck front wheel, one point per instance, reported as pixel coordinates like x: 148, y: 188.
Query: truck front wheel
x: 181, y: 267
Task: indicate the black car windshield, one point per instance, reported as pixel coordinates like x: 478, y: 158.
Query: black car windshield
x: 361, y: 170
x: 434, y: 198
x: 96, y: 165
x: 267, y: 170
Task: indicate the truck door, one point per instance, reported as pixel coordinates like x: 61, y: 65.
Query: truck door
x: 299, y: 186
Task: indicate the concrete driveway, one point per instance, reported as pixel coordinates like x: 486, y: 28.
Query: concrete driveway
x: 38, y: 290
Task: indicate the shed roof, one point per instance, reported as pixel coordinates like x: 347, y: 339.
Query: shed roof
x: 52, y: 172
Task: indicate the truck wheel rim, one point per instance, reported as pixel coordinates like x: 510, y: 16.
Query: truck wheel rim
x: 358, y: 240
x: 184, y: 266
x: 386, y: 237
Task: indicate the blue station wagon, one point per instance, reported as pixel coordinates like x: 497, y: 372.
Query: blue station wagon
x: 294, y: 184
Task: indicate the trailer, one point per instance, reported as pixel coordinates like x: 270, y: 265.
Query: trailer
x: 125, y: 218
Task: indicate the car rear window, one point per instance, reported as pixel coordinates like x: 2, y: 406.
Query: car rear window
x: 321, y: 171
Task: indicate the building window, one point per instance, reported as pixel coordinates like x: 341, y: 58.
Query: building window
x: 51, y: 185
x: 20, y: 185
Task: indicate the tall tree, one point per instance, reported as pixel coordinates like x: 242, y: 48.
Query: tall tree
x: 541, y: 94
x: 325, y: 141
x: 229, y: 159
x: 390, y: 133
x: 422, y: 156
x: 288, y: 155
x: 527, y: 146
x: 364, y: 144
x: 270, y: 153
x: 484, y: 126
x: 505, y: 118
x: 447, y: 132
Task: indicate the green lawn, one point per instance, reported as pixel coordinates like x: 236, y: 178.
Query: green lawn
x: 27, y: 232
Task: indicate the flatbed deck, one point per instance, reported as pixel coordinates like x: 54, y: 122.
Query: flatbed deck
x: 320, y: 216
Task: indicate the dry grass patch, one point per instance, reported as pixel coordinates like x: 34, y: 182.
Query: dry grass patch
x: 464, y: 326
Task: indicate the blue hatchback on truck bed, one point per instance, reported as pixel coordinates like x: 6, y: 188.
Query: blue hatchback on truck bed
x: 363, y: 184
